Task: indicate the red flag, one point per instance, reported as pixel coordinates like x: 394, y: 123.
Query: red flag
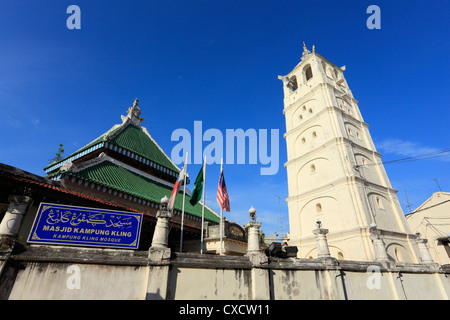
x: 222, y: 194
x: 177, y: 187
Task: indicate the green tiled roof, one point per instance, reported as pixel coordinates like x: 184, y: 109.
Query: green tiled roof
x: 116, y: 177
x: 130, y: 138
x: 90, y: 144
x: 136, y: 140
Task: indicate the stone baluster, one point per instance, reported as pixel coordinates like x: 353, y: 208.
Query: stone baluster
x: 159, y: 249
x: 12, y: 221
x: 321, y: 241
x: 378, y: 244
x: 424, y: 252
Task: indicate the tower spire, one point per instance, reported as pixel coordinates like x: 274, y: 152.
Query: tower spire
x: 306, y: 52
x: 326, y: 137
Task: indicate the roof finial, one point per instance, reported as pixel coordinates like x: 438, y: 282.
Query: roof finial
x: 133, y: 114
x: 305, y: 51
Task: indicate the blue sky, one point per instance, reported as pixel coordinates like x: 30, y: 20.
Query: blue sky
x: 218, y: 62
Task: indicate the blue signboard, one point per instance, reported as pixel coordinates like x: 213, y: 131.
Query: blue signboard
x: 80, y: 226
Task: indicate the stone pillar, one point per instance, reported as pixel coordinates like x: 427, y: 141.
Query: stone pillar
x: 259, y: 272
x: 253, y: 243
x: 12, y: 221
x: 424, y: 252
x: 161, y: 233
x: 321, y: 241
x: 10, y: 225
x: 159, y: 255
x: 159, y: 249
x: 158, y: 280
x: 378, y: 244
x: 253, y: 236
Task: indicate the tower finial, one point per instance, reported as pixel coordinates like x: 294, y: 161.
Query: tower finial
x: 305, y: 51
x: 305, y: 48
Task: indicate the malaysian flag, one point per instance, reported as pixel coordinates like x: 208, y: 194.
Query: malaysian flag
x: 222, y: 194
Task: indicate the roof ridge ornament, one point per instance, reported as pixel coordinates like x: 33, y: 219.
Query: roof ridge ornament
x: 133, y: 114
x: 306, y: 52
x: 69, y: 166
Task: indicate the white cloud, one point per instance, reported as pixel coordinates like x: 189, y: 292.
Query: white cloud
x: 12, y: 122
x: 404, y: 148
x: 411, y: 149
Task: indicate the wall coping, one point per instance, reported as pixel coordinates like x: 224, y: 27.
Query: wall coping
x: 83, y: 255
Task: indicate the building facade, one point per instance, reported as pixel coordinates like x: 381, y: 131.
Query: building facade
x: 123, y: 169
x: 432, y: 221
x: 335, y: 175
x: 335, y: 182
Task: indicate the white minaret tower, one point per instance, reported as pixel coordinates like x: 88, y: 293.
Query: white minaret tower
x: 335, y: 174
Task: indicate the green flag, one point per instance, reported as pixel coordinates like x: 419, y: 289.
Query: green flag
x: 198, y: 186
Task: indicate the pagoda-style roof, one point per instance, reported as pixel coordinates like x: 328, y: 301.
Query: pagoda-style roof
x: 120, y: 180
x: 126, y: 164
x: 129, y: 139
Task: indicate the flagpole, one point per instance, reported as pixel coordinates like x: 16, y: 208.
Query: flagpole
x: 203, y: 207
x: 182, y: 211
x: 221, y: 214
x: 221, y: 231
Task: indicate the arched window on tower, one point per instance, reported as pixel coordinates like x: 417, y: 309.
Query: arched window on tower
x: 318, y: 207
x: 292, y: 83
x: 308, y: 73
x: 380, y: 203
x: 398, y: 255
